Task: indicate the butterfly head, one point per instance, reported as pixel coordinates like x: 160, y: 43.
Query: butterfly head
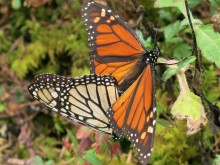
x: 151, y: 56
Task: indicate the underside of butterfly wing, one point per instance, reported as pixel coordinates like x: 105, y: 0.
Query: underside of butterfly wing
x: 82, y: 99
x: 47, y: 87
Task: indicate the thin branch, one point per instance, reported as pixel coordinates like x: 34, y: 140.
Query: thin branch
x: 195, y: 47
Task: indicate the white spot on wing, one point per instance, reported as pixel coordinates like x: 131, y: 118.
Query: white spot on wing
x: 34, y: 93
x: 54, y: 94
x: 80, y: 118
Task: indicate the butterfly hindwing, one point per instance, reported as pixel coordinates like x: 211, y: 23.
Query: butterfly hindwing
x: 82, y: 99
x: 134, y: 114
x: 115, y: 48
x: 88, y: 98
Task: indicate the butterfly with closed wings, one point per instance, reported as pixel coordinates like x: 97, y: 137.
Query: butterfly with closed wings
x: 82, y: 99
x: 116, y: 50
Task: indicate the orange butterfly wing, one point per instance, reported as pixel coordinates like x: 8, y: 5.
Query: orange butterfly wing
x: 133, y: 115
x: 115, y: 48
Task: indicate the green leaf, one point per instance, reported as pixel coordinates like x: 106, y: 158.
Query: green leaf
x: 73, y: 139
x: 186, y: 62
x: 147, y: 43
x: 194, y: 3
x: 171, y: 3
x: 182, y: 50
x: 163, y: 123
x: 140, y: 36
x: 185, y: 103
x: 49, y: 162
x: 16, y: 4
x: 185, y: 22
x: 92, y: 158
x: 38, y: 160
x: 166, y: 15
x: 216, y: 160
x: 175, y: 40
x: 169, y: 73
x: 209, y: 43
x: 79, y: 160
x: 159, y: 108
x: 189, y: 107
x: 171, y: 30
x: 215, y: 3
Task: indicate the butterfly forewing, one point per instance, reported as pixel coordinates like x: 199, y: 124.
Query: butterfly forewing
x: 84, y: 99
x: 114, y: 46
x: 46, y: 88
x: 134, y: 114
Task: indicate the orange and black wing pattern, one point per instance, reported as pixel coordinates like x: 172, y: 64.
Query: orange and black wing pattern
x: 115, y: 48
x: 133, y: 115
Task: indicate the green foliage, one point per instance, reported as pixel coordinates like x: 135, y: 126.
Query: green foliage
x: 169, y: 73
x: 44, y: 42
x: 216, y: 161
x: 50, y: 37
x: 74, y: 140
x: 209, y: 43
x: 5, y: 42
x: 16, y: 4
x: 49, y: 43
x: 215, y: 3
x: 188, y: 106
x: 45, y: 145
x: 175, y: 69
x: 186, y: 62
x: 39, y: 161
x: 92, y: 158
x: 210, y: 82
x: 171, y: 3
x: 2, y: 107
x: 173, y: 147
x: 171, y: 30
x: 182, y: 50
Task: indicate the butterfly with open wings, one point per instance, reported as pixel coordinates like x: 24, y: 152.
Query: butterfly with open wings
x: 116, y: 50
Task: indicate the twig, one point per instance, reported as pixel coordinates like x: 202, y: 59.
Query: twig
x: 195, y: 47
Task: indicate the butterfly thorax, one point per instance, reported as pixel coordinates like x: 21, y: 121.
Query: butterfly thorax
x: 149, y: 58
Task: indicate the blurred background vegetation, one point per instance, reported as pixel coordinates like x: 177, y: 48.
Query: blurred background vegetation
x: 48, y: 36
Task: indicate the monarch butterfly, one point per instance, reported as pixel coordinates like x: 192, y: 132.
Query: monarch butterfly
x: 82, y: 99
x: 116, y: 50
